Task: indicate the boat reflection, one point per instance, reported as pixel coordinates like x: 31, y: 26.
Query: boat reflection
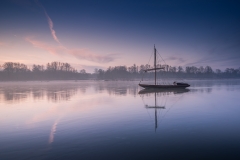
x: 164, y: 95
x: 173, y: 90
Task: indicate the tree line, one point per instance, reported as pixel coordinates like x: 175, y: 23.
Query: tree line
x: 52, y: 71
x: 64, y: 71
x: 132, y: 72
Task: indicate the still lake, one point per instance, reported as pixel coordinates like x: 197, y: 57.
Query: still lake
x: 116, y: 120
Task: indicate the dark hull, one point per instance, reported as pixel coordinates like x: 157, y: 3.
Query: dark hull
x: 162, y: 90
x: 164, y: 86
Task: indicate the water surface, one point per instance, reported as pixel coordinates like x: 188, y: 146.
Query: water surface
x: 116, y: 120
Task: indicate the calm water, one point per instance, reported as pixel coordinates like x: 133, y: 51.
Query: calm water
x: 116, y: 120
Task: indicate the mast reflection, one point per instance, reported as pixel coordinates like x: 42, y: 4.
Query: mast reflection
x: 159, y: 92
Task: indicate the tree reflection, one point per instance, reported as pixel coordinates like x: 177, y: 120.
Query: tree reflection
x: 55, y: 91
x: 15, y: 95
x: 121, y: 88
x: 18, y: 92
x: 61, y: 94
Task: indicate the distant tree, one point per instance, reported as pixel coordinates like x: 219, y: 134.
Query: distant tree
x: 208, y: 70
x: 101, y: 74
x: 172, y: 69
x: 20, y: 67
x: 11, y: 67
x: 37, y: 68
x: 201, y: 69
x: 180, y: 69
x: 83, y: 71
x: 133, y: 69
x: 238, y: 71
x: 96, y: 71
x: 188, y: 70
x: 218, y: 71
x: 8, y: 67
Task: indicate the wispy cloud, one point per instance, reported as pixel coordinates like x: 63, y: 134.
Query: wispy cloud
x: 216, y: 59
x: 57, y: 50
x: 81, y: 54
x: 50, y: 22
x: 86, y: 54
x: 51, y: 27
x: 173, y: 58
x: 220, y: 54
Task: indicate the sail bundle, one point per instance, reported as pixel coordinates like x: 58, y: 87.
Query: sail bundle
x: 152, y: 69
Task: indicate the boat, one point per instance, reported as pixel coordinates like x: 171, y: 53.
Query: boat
x: 161, y: 86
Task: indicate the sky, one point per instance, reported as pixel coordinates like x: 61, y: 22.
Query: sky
x: 91, y: 34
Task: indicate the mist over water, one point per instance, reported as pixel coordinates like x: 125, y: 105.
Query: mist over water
x: 119, y: 120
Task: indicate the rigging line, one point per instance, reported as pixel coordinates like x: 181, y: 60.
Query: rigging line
x: 170, y: 108
x: 158, y: 59
x: 166, y: 64
x: 148, y: 63
x: 166, y: 100
x: 150, y: 58
x: 160, y: 104
x: 149, y: 115
x: 160, y: 114
x: 164, y: 75
x: 158, y: 72
x: 161, y: 57
x: 160, y: 75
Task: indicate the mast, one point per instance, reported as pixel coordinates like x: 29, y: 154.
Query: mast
x: 155, y: 113
x: 155, y: 64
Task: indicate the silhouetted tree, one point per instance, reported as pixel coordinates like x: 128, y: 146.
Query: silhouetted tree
x: 180, y: 69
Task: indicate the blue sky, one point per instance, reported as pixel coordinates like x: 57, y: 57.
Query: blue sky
x: 97, y: 34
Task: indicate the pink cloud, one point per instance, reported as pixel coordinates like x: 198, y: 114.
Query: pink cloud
x: 82, y: 54
x: 51, y: 49
x: 87, y: 55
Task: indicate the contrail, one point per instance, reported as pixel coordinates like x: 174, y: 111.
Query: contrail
x: 51, y: 27
x: 50, y: 23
